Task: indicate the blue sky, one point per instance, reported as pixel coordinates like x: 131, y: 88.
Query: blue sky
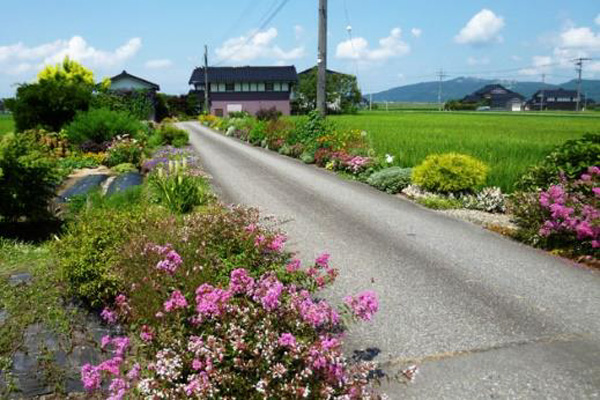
x: 394, y: 42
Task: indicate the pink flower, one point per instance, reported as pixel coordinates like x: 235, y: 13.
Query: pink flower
x: 171, y: 262
x: 175, y: 302
x: 259, y: 240
x: 323, y: 260
x: 112, y: 366
x: 268, y: 292
x: 277, y: 243
x: 147, y: 335
x: 134, y: 372
x: 121, y: 345
x: 364, y: 305
x: 293, y: 265
x: 118, y: 388
x: 241, y: 282
x: 251, y: 228
x: 105, y: 341
x: 108, y: 316
x: 211, y: 301
x: 196, y: 364
x: 287, y: 340
x: 90, y: 377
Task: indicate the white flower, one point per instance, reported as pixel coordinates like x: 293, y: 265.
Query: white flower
x: 389, y: 158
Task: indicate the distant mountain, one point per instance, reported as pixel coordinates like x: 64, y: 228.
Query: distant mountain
x: 427, y: 92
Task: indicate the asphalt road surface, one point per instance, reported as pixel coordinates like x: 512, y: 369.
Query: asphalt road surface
x: 484, y: 317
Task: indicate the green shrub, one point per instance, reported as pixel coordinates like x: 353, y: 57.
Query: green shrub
x: 450, y: 173
x: 124, y: 151
x: 92, y: 244
x: 439, y: 202
x: 270, y: 114
x: 571, y: 159
x: 28, y: 178
x: 258, y: 132
x: 391, y: 180
x: 173, y: 136
x: 177, y: 189
x: 124, y: 168
x: 101, y: 125
x: 308, y: 129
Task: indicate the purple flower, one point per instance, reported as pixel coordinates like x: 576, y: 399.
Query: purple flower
x: 171, y: 262
x: 268, y: 292
x: 277, y: 243
x: 175, y: 302
x: 134, y: 372
x: 90, y: 377
x: 364, y: 305
x: 287, y: 340
x: 147, y: 335
x: 108, y: 316
x: 211, y: 301
x: 293, y: 265
x: 241, y: 282
x: 323, y: 260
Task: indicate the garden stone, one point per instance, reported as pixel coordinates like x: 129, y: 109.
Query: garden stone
x: 3, y: 316
x: 18, y: 279
x: 82, y: 187
x: 124, y: 182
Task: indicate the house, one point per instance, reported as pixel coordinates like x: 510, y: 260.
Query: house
x: 128, y: 85
x: 497, y: 97
x: 248, y: 89
x: 556, y: 99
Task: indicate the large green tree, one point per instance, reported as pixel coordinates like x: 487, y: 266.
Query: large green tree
x: 343, y: 94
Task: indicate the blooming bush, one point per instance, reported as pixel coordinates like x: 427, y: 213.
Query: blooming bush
x: 124, y: 150
x: 490, y: 199
x: 203, y: 327
x: 212, y: 121
x: 450, y: 173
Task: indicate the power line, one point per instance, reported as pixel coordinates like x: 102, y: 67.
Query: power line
x: 579, y: 68
x: 441, y: 75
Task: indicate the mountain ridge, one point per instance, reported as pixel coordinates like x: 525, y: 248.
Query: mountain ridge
x: 457, y: 88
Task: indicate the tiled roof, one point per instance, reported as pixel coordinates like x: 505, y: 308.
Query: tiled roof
x: 245, y: 74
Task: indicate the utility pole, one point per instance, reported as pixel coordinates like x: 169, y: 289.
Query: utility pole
x: 579, y: 68
x: 441, y: 75
x: 370, y: 101
x: 543, y: 92
x: 206, y: 84
x: 322, y: 60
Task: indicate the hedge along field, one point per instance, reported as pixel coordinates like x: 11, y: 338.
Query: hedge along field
x: 508, y: 143
x: 6, y: 124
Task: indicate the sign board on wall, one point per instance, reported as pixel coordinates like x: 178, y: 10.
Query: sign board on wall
x: 234, y: 108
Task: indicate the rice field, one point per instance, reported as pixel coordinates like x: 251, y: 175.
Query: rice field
x: 6, y: 124
x: 508, y: 143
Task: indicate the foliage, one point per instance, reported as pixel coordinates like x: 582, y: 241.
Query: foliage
x: 212, y: 121
x: 570, y: 159
x: 124, y: 168
x: 178, y: 188
x: 437, y: 202
x: 161, y: 109
x: 79, y: 161
x: 258, y: 132
x: 170, y: 135
x: 450, y: 173
x: 489, y: 199
x: 28, y: 177
x: 269, y: 114
x: 342, y: 92
x: 124, y: 150
x: 182, y: 107
x: 49, y: 104
x: 391, y: 180
x: 457, y: 105
x: 101, y: 125
x: 92, y: 243
x: 7, y: 124
x: 509, y: 143
x: 138, y: 103
x: 69, y: 71
x: 309, y: 129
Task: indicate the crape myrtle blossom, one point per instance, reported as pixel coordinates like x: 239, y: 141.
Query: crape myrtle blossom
x: 363, y: 306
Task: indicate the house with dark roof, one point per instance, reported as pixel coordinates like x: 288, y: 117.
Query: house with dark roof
x: 249, y: 89
x: 126, y: 84
x: 556, y: 99
x: 497, y: 97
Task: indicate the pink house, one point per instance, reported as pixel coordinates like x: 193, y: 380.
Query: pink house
x: 247, y: 89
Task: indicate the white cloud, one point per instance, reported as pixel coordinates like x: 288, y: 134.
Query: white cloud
x: 597, y: 20
x: 257, y: 45
x: 515, y: 58
x: 416, y: 32
x: 161, y: 63
x: 580, y: 38
x: 18, y: 58
x: 359, y: 48
x: 484, y: 28
x: 539, y: 65
x: 299, y: 32
x: 478, y: 61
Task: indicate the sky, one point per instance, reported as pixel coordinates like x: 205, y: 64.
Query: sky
x: 386, y: 43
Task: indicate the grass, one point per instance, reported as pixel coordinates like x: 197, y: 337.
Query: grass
x: 509, y: 143
x: 6, y: 124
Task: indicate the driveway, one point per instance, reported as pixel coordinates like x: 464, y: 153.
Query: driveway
x: 484, y: 317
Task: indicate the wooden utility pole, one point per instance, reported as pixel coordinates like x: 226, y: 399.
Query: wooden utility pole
x: 579, y: 67
x: 206, y: 84
x: 322, y: 60
x: 543, y: 92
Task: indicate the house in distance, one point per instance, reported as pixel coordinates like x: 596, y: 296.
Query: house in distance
x: 497, y: 97
x: 126, y: 84
x: 249, y: 89
x: 556, y: 99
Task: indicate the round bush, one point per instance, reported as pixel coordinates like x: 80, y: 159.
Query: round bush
x: 101, y: 125
x: 391, y: 180
x: 450, y: 173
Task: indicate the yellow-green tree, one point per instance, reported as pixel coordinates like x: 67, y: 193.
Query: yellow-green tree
x: 69, y: 71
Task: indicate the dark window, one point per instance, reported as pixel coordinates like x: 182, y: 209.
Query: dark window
x: 229, y: 87
x: 269, y: 87
x: 219, y: 112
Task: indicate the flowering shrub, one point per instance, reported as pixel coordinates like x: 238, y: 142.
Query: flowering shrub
x: 212, y: 121
x: 165, y: 154
x: 256, y: 332
x: 490, y: 199
x: 124, y: 150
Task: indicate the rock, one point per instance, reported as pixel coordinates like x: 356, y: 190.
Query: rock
x: 19, y: 279
x: 125, y: 181
x: 82, y: 187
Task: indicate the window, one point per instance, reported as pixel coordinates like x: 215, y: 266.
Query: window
x: 229, y: 87
x: 269, y: 87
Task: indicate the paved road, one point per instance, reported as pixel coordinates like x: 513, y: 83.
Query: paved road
x: 484, y: 317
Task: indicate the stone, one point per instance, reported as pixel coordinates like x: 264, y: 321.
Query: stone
x: 82, y: 187
x: 124, y: 182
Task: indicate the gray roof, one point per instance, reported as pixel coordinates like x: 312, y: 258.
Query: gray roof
x: 245, y: 74
x: 125, y: 74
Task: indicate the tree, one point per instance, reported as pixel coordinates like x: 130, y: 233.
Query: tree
x: 343, y: 95
x: 50, y: 103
